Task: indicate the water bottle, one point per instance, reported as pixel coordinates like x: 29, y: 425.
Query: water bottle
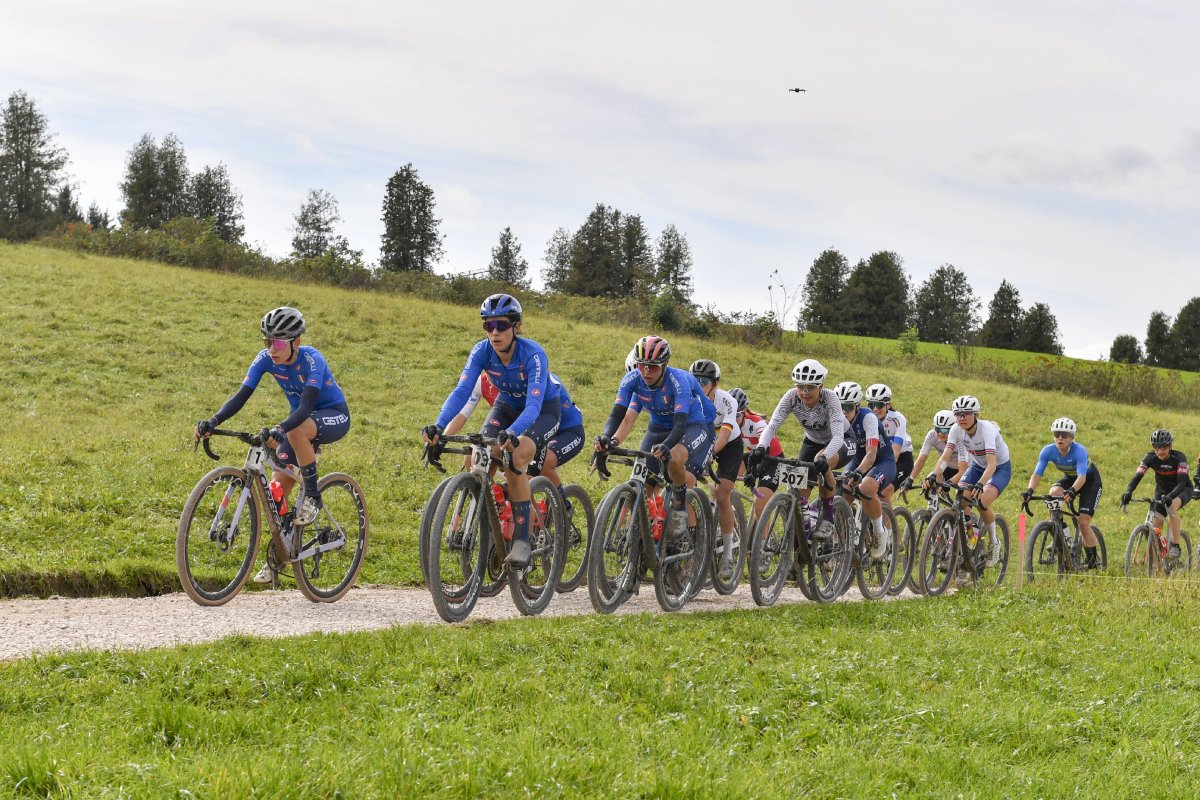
x: 972, y: 530
x: 278, y: 496
x: 505, y: 511
x: 658, y: 516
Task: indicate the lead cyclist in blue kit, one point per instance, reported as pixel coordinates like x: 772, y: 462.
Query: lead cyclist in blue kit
x: 527, y: 408
x: 319, y: 411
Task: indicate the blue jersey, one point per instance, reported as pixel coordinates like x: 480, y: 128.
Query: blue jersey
x: 863, y: 429
x: 308, y: 370
x: 571, y: 416
x: 675, y: 394
x: 522, y: 385
x: 1075, y: 462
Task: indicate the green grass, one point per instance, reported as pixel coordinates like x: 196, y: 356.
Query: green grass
x: 1076, y: 689
x: 110, y: 362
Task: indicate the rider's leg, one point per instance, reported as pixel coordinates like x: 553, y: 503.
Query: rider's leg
x: 1174, y: 520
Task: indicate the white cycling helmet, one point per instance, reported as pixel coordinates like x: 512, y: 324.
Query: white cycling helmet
x: 631, y: 361
x: 809, y: 371
x: 848, y: 392
x: 879, y: 393
x: 1063, y: 425
x: 967, y: 402
x: 943, y: 419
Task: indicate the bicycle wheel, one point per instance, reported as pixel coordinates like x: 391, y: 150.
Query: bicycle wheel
x: 921, y: 523
x: 832, y: 559
x: 906, y: 552
x: 534, y: 585
x: 683, y: 563
x: 983, y: 549
x: 337, y: 540
x: 939, y: 553
x: 219, y: 533
x: 1172, y: 567
x: 727, y: 587
x: 1137, y: 552
x: 458, y: 548
x: 1185, y: 557
x: 1042, y: 557
x: 614, y: 551
x: 771, y: 553
x: 874, y: 575
x: 580, y: 518
x: 1101, y: 550
x: 423, y: 532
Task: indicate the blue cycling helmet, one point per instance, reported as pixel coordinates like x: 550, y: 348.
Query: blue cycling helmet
x: 501, y: 305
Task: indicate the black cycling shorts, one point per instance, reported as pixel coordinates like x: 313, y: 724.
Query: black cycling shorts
x: 904, y: 465
x: 1089, y: 494
x: 729, y: 460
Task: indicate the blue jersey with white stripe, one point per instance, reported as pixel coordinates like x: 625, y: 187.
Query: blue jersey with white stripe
x: 675, y: 394
x: 522, y: 384
x: 308, y: 370
x: 1075, y: 462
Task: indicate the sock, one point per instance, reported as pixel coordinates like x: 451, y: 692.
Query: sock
x: 520, y: 512
x: 727, y: 541
x: 309, y: 473
x: 877, y: 524
x: 678, y: 495
x: 827, y: 508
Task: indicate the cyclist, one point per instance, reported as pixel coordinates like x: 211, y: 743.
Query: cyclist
x: 564, y: 444
x: 727, y: 449
x: 818, y: 411
x: 319, y: 411
x: 935, y: 439
x: 677, y: 420
x: 526, y: 411
x: 753, y: 426
x: 984, y: 468
x: 872, y: 466
x: 895, y: 428
x: 1172, y: 484
x: 1080, y: 478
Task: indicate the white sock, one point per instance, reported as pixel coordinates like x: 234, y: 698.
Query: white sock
x: 727, y: 541
x: 877, y: 524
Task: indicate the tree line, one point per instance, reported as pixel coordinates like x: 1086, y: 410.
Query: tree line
x: 1173, y: 344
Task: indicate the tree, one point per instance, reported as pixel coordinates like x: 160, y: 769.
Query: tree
x: 410, y: 241
x: 673, y: 259
x: 597, y: 267
x: 1039, y: 331
x: 1003, y: 326
x: 1160, y: 351
x: 31, y: 169
x: 558, y: 261
x: 1125, y: 350
x: 507, y: 263
x: 214, y: 197
x: 1185, y: 336
x: 944, y: 308
x: 823, y: 288
x: 312, y: 235
x: 98, y: 219
x: 156, y: 183
x: 66, y: 207
x: 876, y: 297
x: 635, y: 255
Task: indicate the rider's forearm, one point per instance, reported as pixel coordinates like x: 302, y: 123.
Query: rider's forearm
x: 308, y: 404
x: 234, y: 404
x: 677, y: 430
x: 614, y: 419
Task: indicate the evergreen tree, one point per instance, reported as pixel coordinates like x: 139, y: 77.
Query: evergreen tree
x: 823, y: 289
x: 597, y: 268
x: 1003, y: 326
x: 558, y: 261
x: 31, y: 169
x: 673, y: 257
x: 66, y: 207
x: 636, y: 257
x: 214, y: 197
x: 98, y: 219
x: 1039, y: 331
x: 1160, y: 351
x: 1185, y: 337
x: 944, y: 308
x: 156, y: 183
x: 1125, y: 350
x: 507, y: 263
x: 876, y: 297
x: 312, y: 234
x: 411, y: 241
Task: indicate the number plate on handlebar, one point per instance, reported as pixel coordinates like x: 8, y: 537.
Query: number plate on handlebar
x: 1054, y: 504
x: 481, y: 457
x: 793, y: 477
x: 255, y: 458
x: 640, y: 473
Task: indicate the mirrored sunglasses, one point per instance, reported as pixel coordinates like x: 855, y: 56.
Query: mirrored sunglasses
x: 276, y: 344
x: 876, y: 404
x: 808, y: 387
x: 962, y: 414
x: 849, y: 406
x: 703, y: 381
x: 496, y: 325
x: 1061, y: 435
x: 646, y: 365
x: 941, y: 430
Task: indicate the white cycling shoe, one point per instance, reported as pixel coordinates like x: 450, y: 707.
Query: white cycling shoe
x: 265, y: 575
x: 881, y: 543
x: 306, y: 514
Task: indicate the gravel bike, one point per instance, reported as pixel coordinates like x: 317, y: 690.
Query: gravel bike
x: 873, y: 574
x: 220, y: 530
x: 1056, y: 548
x: 954, y: 542
x: 1148, y: 550
x: 628, y: 539
x: 737, y: 500
x: 468, y: 537
x: 905, y: 544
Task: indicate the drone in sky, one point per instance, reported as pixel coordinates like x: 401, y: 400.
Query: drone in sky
x: 797, y: 90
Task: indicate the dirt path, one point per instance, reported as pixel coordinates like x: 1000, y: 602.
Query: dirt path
x: 37, y: 626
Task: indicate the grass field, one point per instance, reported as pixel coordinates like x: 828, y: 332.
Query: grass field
x: 112, y: 361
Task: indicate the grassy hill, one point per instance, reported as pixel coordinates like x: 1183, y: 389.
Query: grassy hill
x: 110, y: 362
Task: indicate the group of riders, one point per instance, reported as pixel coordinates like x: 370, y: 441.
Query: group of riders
x: 695, y: 427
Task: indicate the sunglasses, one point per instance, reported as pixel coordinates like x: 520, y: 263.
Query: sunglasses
x: 807, y: 387
x: 1061, y: 435
x: 496, y: 325
x: 849, y: 406
x: 703, y: 381
x: 941, y: 430
x: 276, y: 344
x: 876, y: 404
x: 962, y: 414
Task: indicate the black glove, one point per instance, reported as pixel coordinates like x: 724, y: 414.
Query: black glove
x: 927, y: 483
x: 1069, y: 494
x: 660, y: 451
x: 1026, y: 496
x: 821, y: 464
x: 505, y: 437
x: 852, y: 478
x: 603, y: 443
x: 430, y: 432
x: 204, y: 428
x: 976, y: 487
x: 906, y: 483
x: 274, y: 437
x: 756, y: 457
x: 1126, y: 498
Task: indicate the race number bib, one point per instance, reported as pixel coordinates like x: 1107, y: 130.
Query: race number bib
x: 482, y: 458
x: 640, y: 473
x: 793, y: 477
x: 1054, y: 505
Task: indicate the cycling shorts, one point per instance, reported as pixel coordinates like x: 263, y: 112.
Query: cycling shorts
x: 729, y: 460
x: 904, y: 466
x: 544, y: 427
x: 810, y: 450
x: 1000, y: 477
x: 332, y: 424
x: 884, y: 474
x: 696, y: 439
x: 1184, y: 498
x: 1089, y: 494
x: 564, y: 444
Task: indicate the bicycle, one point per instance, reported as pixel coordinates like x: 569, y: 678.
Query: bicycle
x: 786, y: 530
x: 467, y: 539
x: 627, y: 540
x: 1053, y: 548
x: 716, y: 546
x: 873, y: 575
x: 214, y: 560
x: 1148, y: 550
x: 949, y: 546
x: 906, y: 545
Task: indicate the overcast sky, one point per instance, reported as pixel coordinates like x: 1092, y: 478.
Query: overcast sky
x: 1053, y: 145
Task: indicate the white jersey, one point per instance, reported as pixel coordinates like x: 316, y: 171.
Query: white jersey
x: 824, y: 423
x: 932, y: 442
x: 987, y: 439
x: 752, y: 429
x: 895, y: 425
x: 726, y: 413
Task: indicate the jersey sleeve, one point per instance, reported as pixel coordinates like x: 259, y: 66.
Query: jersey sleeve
x: 871, y: 430
x: 466, y: 381
x: 1043, y: 460
x: 1081, y: 459
x: 927, y: 445
x: 727, y: 412
x: 625, y: 391
x: 782, y: 409
x: 837, y: 423
x: 258, y: 367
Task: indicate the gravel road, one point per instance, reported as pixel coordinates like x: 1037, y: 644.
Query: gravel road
x: 60, y: 624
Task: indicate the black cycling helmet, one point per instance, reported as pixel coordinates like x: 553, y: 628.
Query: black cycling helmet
x: 739, y: 397
x: 1161, y: 438
x: 284, y: 322
x: 501, y: 305
x: 703, y: 368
